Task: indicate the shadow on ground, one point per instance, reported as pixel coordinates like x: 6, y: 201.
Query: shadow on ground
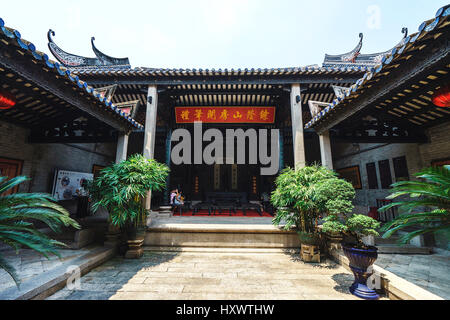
x: 324, y: 264
x: 343, y: 282
x: 104, y: 281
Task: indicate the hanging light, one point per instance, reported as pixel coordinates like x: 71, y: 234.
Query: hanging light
x: 7, y: 100
x: 441, y: 97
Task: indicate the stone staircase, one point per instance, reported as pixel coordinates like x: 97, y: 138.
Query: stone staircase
x: 390, y: 245
x: 218, y: 232
x: 165, y: 212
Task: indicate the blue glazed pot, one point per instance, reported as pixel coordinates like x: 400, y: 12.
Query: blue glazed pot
x: 360, y: 261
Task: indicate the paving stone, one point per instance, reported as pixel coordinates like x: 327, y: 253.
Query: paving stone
x: 227, y: 288
x: 183, y: 281
x: 216, y: 275
x: 133, y: 287
x: 90, y: 295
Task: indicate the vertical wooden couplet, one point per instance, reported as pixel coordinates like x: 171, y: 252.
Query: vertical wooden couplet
x: 150, y: 130
x: 297, y: 127
x: 122, y: 148
x: 325, y: 150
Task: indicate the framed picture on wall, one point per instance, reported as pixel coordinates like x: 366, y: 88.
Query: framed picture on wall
x: 352, y: 175
x: 96, y: 170
x: 440, y: 162
x: 67, y: 185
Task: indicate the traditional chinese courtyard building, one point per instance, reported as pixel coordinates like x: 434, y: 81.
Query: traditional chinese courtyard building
x: 371, y: 117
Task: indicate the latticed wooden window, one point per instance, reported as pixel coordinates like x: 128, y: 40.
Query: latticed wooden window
x: 400, y: 169
x: 372, y: 175
x: 385, y: 174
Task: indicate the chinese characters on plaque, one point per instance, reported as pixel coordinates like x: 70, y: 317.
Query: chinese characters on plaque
x: 225, y: 114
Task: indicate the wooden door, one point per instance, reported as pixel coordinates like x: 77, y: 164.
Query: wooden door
x: 10, y: 168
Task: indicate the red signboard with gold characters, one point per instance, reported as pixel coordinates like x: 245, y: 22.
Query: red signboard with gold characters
x: 225, y: 114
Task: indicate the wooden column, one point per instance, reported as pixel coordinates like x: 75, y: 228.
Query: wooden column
x: 325, y: 150
x: 297, y: 127
x: 150, y: 130
x: 122, y: 147
x: 113, y: 234
x: 168, y: 161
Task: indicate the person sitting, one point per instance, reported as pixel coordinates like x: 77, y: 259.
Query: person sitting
x: 173, y: 194
x: 179, y: 199
x: 176, y: 200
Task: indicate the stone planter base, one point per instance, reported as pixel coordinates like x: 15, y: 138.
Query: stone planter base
x: 310, y: 253
x: 135, y: 250
x: 112, y: 237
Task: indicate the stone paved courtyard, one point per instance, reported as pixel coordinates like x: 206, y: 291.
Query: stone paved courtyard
x: 29, y: 263
x: 431, y: 272
x: 212, y: 275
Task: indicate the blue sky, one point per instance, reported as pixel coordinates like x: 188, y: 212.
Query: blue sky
x: 218, y: 34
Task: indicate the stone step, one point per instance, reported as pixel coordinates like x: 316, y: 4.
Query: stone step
x: 47, y: 283
x: 222, y: 250
x: 391, y: 240
x: 405, y: 249
x: 74, y: 239
x: 219, y: 233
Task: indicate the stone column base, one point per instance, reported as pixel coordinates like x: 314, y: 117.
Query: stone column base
x: 135, y: 250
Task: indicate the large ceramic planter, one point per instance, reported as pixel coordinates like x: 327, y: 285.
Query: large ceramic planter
x: 360, y: 261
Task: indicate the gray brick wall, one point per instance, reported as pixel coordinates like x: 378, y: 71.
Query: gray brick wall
x: 13, y: 145
x: 41, y: 160
x: 417, y: 156
x: 439, y: 148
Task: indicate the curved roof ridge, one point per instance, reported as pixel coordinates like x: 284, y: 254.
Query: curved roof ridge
x: 355, y: 57
x: 106, y: 59
x: 73, y: 61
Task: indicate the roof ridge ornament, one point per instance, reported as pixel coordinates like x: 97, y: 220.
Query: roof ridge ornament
x: 66, y: 59
x: 72, y: 61
x: 351, y: 56
x: 108, y: 60
x: 355, y: 58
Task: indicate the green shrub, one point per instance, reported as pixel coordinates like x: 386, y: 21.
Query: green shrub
x: 122, y: 188
x: 302, y: 196
x: 357, y: 226
x: 362, y: 225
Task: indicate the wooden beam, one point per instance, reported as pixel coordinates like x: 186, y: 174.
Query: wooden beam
x: 89, y: 139
x: 348, y: 79
x: 373, y: 139
x: 47, y: 81
x: 409, y: 74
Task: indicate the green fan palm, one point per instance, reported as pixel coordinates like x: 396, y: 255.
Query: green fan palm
x: 17, y: 213
x: 428, y: 206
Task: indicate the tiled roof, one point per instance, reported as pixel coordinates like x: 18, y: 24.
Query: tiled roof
x: 143, y: 71
x: 440, y: 20
x: 356, y: 58
x: 30, y: 50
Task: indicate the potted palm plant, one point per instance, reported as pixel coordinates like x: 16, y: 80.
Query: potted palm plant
x: 18, y: 214
x: 427, y: 206
x: 303, y: 196
x: 121, y: 189
x: 360, y: 255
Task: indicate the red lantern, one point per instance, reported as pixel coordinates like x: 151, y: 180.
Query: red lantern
x: 7, y: 100
x: 441, y: 97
